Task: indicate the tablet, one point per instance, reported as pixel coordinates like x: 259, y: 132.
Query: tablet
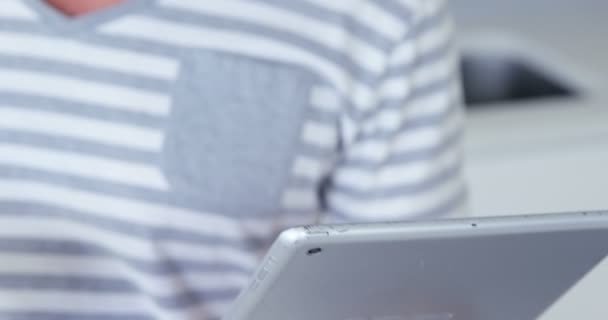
x: 501, y: 268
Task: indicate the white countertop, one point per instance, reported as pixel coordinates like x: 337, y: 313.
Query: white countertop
x: 556, y: 148
x: 549, y: 155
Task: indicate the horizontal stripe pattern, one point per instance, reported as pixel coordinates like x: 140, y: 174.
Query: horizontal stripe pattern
x: 74, y: 52
x: 162, y: 292
x: 182, y: 34
x: 417, y: 138
x: 16, y: 9
x: 403, y: 159
x: 110, y: 304
x: 334, y: 37
x: 162, y: 265
x: 320, y: 135
x: 120, y: 208
x: 431, y: 101
x: 367, y: 13
x: 87, y: 166
x: 308, y: 168
x: 391, y: 176
x: 86, y: 91
x: 73, y: 316
x: 428, y: 41
x: 87, y: 214
x: 391, y: 208
x: 159, y: 286
x: 90, y: 129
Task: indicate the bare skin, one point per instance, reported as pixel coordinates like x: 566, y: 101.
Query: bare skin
x: 75, y: 8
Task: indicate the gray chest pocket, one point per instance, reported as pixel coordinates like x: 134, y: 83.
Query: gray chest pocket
x: 232, y: 133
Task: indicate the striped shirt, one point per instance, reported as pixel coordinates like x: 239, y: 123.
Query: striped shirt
x: 150, y: 152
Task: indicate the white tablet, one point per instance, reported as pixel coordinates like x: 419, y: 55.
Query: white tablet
x: 475, y: 269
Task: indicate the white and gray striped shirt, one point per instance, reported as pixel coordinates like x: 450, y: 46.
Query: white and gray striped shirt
x: 151, y: 151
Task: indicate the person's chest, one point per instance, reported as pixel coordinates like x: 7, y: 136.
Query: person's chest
x: 89, y: 105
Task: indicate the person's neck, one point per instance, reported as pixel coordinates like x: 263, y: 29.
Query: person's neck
x: 75, y: 8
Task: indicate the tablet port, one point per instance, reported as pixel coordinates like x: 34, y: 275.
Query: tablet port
x: 314, y: 251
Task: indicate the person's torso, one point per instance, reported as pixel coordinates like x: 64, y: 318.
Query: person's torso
x: 169, y: 141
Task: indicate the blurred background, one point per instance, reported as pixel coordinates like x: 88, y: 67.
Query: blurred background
x: 536, y: 77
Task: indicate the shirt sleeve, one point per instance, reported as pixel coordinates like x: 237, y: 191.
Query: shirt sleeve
x: 402, y: 159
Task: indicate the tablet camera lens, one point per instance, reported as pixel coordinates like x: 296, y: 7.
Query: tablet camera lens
x: 314, y: 251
